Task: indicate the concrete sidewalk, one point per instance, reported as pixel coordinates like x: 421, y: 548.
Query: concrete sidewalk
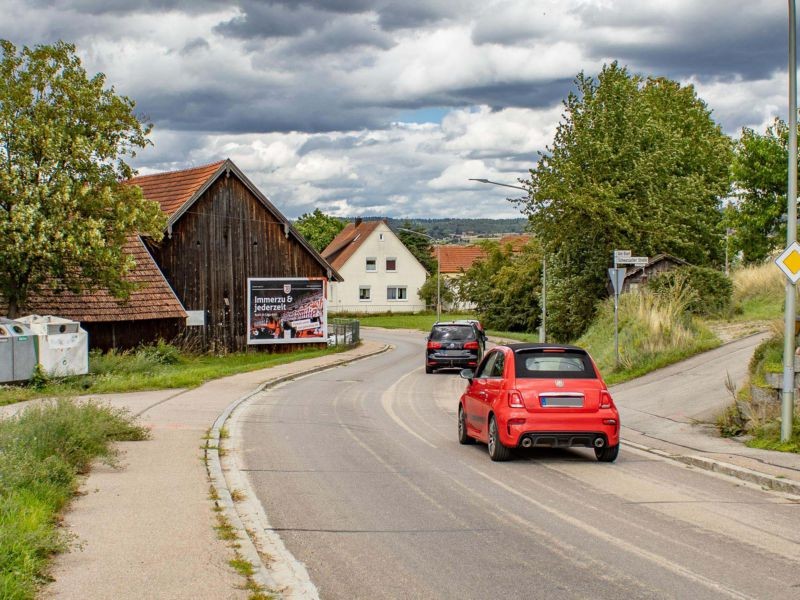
x: 672, y: 412
x: 147, y: 530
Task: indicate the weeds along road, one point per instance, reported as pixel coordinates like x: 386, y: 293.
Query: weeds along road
x: 361, y: 475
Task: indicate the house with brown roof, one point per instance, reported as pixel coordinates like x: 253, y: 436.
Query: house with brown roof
x: 380, y: 273
x: 221, y: 230
x: 454, y: 261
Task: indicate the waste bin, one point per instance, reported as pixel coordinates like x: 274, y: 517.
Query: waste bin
x: 62, y: 346
x: 17, y: 351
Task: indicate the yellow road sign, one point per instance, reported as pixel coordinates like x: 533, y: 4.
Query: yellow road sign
x: 789, y: 262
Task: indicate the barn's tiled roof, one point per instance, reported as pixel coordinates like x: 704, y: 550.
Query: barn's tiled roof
x: 153, y: 299
x: 173, y: 189
x: 454, y: 259
x: 348, y: 241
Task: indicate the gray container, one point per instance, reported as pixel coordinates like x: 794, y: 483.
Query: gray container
x: 17, y: 351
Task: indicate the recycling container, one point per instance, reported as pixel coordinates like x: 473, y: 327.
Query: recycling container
x: 17, y: 351
x: 62, y: 346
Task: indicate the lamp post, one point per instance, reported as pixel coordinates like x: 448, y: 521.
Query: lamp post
x: 438, y: 271
x: 543, y: 326
x: 787, y: 399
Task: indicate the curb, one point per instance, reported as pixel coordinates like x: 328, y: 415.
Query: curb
x: 717, y: 466
x: 247, y: 548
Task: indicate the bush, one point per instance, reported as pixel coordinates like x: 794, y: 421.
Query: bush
x: 711, y: 291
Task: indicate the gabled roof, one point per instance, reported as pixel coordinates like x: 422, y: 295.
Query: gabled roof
x: 344, y: 245
x: 153, y: 298
x: 173, y: 189
x: 633, y: 272
x: 177, y: 191
x: 454, y: 259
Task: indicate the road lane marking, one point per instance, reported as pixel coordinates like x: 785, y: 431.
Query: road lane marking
x: 627, y: 546
x: 386, y: 402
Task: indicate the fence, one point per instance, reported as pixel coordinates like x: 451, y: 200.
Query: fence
x: 344, y: 332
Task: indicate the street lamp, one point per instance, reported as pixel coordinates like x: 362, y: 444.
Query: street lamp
x: 543, y: 327
x: 438, y: 271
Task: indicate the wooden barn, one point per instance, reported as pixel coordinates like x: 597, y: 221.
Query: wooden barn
x: 221, y: 231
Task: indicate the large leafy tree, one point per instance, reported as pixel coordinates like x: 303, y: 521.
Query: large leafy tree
x: 505, y: 287
x: 636, y: 164
x: 318, y: 228
x: 64, y: 211
x: 760, y: 174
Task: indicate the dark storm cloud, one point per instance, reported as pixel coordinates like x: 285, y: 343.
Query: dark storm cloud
x: 266, y: 20
x: 195, y: 44
x: 713, y: 39
x: 339, y: 35
x: 123, y: 7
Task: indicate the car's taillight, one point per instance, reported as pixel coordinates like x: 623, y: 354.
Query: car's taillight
x: 434, y: 345
x: 515, y: 399
x: 471, y: 346
x: 605, y: 400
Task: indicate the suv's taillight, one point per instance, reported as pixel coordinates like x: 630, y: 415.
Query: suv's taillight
x: 434, y: 345
x: 471, y: 346
x: 515, y: 399
x: 606, y: 400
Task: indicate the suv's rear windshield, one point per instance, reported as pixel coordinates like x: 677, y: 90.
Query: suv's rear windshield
x: 452, y: 333
x: 546, y: 363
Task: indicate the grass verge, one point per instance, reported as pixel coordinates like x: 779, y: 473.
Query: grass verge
x: 768, y: 437
x: 421, y: 321
x: 151, y: 368
x: 41, y: 453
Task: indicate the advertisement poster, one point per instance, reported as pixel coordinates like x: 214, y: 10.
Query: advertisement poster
x: 286, y: 311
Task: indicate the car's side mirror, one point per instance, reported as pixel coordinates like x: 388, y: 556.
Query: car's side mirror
x: 467, y: 374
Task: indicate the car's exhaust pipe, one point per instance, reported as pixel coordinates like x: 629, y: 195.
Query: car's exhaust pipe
x: 599, y: 442
x: 526, y: 442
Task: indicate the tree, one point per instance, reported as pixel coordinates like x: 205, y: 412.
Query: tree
x: 635, y: 164
x: 760, y: 174
x: 65, y: 212
x: 430, y: 291
x: 505, y: 287
x: 419, y: 245
x: 318, y: 228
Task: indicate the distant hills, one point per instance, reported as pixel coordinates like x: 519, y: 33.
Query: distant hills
x: 445, y: 228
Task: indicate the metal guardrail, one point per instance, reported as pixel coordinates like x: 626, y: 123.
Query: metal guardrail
x: 344, y: 332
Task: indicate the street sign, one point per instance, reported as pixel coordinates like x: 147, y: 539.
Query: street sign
x: 789, y: 262
x: 617, y: 277
x: 622, y: 254
x: 637, y: 261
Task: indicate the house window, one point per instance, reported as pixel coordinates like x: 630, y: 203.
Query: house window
x: 396, y: 293
x: 380, y: 237
x: 372, y: 264
x: 363, y: 292
x: 391, y: 264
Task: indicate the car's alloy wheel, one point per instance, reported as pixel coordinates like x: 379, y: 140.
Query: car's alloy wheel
x: 463, y: 438
x: 607, y: 454
x: 497, y: 452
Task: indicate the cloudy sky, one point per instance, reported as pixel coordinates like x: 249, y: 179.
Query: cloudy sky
x: 388, y: 107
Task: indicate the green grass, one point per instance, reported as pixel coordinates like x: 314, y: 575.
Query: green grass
x: 41, y: 453
x: 768, y: 437
x: 421, y: 321
x: 151, y: 368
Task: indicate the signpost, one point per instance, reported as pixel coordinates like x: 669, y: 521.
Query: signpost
x: 617, y: 276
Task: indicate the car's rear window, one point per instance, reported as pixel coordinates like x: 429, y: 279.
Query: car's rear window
x: 452, y: 333
x: 546, y: 363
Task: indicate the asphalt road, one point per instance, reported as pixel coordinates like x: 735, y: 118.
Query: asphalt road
x: 361, y: 475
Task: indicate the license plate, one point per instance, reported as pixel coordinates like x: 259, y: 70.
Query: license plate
x: 561, y: 401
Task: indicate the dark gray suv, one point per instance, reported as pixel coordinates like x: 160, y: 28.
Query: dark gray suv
x: 453, y: 344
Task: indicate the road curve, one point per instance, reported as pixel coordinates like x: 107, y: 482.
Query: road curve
x: 361, y: 475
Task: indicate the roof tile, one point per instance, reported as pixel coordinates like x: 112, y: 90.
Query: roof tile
x: 173, y: 189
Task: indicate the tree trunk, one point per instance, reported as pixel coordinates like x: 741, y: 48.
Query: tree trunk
x: 13, y: 308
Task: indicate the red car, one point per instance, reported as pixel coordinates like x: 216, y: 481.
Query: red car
x: 538, y: 395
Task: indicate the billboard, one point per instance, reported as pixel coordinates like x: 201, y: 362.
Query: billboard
x: 288, y: 310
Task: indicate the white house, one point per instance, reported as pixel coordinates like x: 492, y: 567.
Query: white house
x: 380, y: 273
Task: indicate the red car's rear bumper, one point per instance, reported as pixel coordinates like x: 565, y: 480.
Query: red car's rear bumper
x: 558, y: 429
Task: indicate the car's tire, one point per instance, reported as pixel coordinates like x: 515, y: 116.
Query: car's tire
x: 607, y: 453
x: 463, y: 438
x: 497, y: 452
x: 428, y: 369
